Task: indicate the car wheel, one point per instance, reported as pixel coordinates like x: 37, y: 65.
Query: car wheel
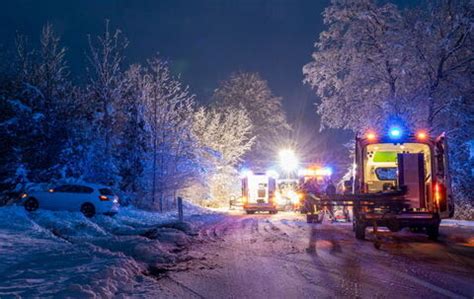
x: 31, y: 204
x: 88, y: 210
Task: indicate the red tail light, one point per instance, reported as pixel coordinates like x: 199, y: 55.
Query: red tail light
x: 439, y: 193
x: 103, y: 198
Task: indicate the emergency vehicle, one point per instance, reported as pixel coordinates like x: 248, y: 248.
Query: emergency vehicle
x: 315, y: 178
x: 409, y: 167
x: 321, y: 178
x: 287, y: 196
x: 258, y: 192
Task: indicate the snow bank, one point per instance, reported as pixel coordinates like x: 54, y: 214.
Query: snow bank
x: 455, y: 222
x: 60, y: 254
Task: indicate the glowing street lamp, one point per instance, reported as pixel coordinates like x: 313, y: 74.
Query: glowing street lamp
x: 288, y: 160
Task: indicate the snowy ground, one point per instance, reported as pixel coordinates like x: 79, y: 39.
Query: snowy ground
x: 60, y: 254
x: 216, y: 255
x: 281, y: 256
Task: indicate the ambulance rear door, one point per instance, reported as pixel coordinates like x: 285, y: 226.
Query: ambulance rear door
x: 442, y: 180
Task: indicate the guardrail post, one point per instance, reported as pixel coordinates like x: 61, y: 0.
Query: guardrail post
x: 180, y: 209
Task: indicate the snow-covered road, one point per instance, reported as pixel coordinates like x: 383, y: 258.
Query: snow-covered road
x: 218, y: 255
x: 280, y: 256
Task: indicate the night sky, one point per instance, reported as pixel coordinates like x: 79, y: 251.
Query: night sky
x: 205, y: 40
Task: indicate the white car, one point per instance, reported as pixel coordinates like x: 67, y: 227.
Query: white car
x: 86, y: 198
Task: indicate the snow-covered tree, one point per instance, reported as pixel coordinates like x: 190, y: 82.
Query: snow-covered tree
x: 224, y: 137
x: 105, y: 89
x: 250, y: 91
x: 130, y: 123
x: 36, y: 92
x: 169, y: 115
x: 376, y: 64
x: 226, y: 131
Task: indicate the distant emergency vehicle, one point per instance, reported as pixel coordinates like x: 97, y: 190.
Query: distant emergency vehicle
x: 316, y: 181
x: 287, y: 196
x: 258, y: 192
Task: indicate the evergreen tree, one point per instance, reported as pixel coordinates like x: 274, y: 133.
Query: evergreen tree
x: 105, y: 90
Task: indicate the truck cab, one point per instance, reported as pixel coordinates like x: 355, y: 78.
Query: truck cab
x: 258, y: 192
x: 412, y: 162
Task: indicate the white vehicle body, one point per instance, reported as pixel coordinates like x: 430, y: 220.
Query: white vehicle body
x: 258, y: 192
x: 74, y: 197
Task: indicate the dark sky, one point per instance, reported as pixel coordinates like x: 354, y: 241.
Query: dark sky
x: 206, y: 40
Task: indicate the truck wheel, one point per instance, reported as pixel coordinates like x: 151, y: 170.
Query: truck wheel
x: 250, y: 212
x: 433, y: 232
x: 393, y: 226
x: 88, y: 210
x: 360, y: 231
x: 31, y: 204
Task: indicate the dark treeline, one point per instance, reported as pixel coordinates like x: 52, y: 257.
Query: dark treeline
x: 135, y: 127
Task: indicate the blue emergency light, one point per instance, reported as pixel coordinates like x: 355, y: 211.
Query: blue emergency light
x: 395, y: 133
x: 328, y: 171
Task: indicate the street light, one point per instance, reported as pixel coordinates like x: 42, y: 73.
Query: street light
x: 288, y: 160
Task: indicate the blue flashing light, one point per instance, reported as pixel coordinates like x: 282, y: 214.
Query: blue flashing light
x: 395, y: 133
x: 245, y: 173
x: 328, y: 171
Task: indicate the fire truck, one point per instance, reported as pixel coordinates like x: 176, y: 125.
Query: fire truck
x: 258, y: 192
x: 400, y: 180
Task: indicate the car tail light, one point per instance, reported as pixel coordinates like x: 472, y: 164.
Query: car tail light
x: 103, y: 198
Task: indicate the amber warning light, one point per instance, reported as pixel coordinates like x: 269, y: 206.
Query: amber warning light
x: 371, y: 136
x: 421, y: 135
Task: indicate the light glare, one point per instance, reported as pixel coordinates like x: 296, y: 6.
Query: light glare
x: 288, y: 160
